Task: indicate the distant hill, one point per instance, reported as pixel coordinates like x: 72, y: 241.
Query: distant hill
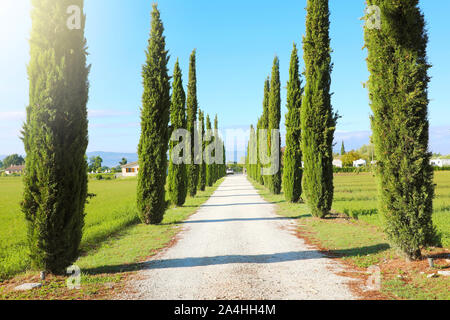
x: 112, y: 159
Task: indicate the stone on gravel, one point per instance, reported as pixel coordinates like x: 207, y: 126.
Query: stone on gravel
x: 433, y: 275
x: 28, y: 286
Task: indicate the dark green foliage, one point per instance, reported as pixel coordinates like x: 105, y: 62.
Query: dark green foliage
x: 318, y: 121
x: 202, y: 171
x: 13, y: 160
x: 399, y: 100
x: 192, y: 105
x: 55, y: 137
x: 153, y: 144
x: 251, y: 154
x: 177, y: 187
x: 274, y: 123
x: 262, y: 147
x: 342, y: 149
x: 292, y: 171
x: 259, y: 176
x: 217, y: 141
x: 209, y: 166
x: 95, y: 164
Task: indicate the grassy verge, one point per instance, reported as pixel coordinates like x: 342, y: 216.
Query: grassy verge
x: 112, y: 250
x: 360, y: 243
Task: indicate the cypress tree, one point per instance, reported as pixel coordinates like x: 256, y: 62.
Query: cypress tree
x: 318, y: 121
x: 265, y: 125
x: 217, y: 141
x: 209, y: 166
x: 342, y: 149
x: 55, y: 137
x: 292, y: 171
x: 397, y: 62
x: 259, y: 177
x: 252, y: 153
x: 153, y: 144
x: 192, y: 105
x: 274, y: 123
x: 202, y: 171
x: 177, y: 187
x: 224, y: 165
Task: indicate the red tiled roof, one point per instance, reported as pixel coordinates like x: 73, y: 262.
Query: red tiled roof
x: 16, y: 168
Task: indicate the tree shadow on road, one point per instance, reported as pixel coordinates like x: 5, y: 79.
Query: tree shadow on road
x: 270, y: 258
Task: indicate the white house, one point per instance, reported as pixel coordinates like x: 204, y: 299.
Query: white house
x: 130, y: 169
x: 440, y: 162
x: 359, y: 163
x: 337, y: 163
x: 15, y: 169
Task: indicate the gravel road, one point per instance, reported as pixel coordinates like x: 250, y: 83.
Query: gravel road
x: 236, y: 247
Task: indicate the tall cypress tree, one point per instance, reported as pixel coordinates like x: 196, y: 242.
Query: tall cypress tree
x: 192, y: 105
x: 55, y: 137
x: 252, y: 153
x: 397, y: 61
x: 292, y: 171
x: 274, y: 123
x: 209, y: 166
x: 217, y: 141
x: 177, y: 187
x: 259, y: 177
x: 224, y: 165
x: 153, y: 144
x: 318, y: 121
x: 202, y: 171
x: 265, y: 126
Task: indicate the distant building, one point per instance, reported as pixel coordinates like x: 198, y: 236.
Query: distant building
x: 337, y: 163
x: 440, y: 162
x: 130, y: 169
x: 15, y: 169
x: 359, y: 163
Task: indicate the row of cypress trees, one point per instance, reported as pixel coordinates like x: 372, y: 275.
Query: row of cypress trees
x: 398, y: 84
x: 158, y: 108
x: 55, y: 135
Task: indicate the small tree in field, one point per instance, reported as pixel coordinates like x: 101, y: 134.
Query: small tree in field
x: 153, y: 144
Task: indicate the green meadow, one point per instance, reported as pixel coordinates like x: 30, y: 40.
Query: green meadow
x: 360, y: 240
x: 113, y: 235
x: 356, y: 196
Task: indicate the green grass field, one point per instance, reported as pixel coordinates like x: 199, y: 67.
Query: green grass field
x: 112, y: 235
x: 356, y: 196
x: 361, y: 242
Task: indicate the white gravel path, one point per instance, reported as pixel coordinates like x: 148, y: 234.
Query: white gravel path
x: 236, y: 247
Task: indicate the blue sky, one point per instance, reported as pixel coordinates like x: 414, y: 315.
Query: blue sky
x: 235, y: 41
